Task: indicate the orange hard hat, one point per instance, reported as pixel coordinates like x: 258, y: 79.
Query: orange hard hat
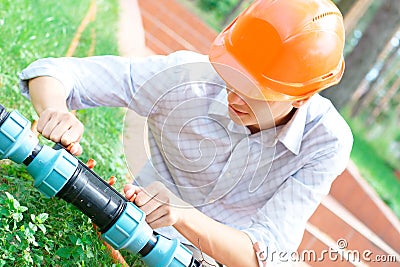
x: 286, y: 49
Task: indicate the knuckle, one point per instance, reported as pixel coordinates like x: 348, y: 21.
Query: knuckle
x: 40, y: 126
x: 65, y: 139
x: 54, y: 138
x: 127, y: 188
x: 45, y: 135
x: 45, y: 113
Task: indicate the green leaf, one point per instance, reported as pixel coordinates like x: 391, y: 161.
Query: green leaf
x: 17, y: 217
x: 78, y: 252
x: 4, y: 212
x: 64, y: 253
x: 89, y: 254
x: 41, y: 218
x: 79, y: 242
x: 33, y: 227
x: 27, y: 257
x: 42, y: 228
x: 9, y: 196
x: 23, y: 208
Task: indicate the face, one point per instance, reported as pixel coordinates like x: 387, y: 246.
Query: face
x: 257, y: 114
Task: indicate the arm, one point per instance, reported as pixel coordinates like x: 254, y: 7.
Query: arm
x: 56, y: 84
x: 47, y: 92
x: 227, y: 245
x: 55, y: 121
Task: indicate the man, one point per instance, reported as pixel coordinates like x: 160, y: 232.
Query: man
x: 243, y: 148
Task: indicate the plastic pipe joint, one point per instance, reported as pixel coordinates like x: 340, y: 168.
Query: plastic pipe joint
x: 58, y: 173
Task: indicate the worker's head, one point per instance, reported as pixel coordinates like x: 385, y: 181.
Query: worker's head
x: 281, y: 50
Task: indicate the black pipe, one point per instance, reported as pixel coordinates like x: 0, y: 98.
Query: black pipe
x: 33, y: 154
x: 149, y: 246
x: 97, y: 200
x: 94, y: 197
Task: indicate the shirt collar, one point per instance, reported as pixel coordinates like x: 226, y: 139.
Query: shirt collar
x: 219, y: 106
x: 291, y: 134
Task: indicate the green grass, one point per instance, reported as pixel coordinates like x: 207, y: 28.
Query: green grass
x: 377, y: 172
x: 371, y: 159
x: 32, y: 30
x: 208, y: 17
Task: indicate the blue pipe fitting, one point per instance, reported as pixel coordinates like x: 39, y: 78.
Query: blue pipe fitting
x: 51, y: 170
x: 58, y: 173
x: 16, y: 139
x: 169, y: 253
x: 130, y: 231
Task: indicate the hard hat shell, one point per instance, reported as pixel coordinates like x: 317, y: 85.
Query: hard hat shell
x: 282, y: 50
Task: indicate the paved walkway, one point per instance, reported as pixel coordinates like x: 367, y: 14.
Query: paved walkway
x: 352, y: 211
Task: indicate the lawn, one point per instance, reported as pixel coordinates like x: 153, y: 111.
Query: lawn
x: 373, y: 160
x: 34, y: 230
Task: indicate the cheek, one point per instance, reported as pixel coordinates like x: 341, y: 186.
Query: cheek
x: 277, y: 108
x: 262, y: 113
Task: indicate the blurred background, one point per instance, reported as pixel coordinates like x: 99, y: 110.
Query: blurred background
x: 364, y: 204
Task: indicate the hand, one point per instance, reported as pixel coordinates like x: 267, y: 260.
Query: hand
x: 161, y: 206
x: 61, y: 127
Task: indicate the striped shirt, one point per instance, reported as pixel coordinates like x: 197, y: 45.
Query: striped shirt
x: 266, y: 184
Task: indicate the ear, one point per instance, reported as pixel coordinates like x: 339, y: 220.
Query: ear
x: 299, y: 103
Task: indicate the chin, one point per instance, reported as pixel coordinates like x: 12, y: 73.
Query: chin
x: 237, y: 120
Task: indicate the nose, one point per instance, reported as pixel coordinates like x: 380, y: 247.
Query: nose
x: 234, y: 98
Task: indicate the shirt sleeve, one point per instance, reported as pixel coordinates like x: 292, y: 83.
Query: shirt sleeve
x: 88, y: 82
x: 107, y: 80
x: 278, y: 227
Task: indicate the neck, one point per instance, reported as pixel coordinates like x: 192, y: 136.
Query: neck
x: 286, y: 118
x: 277, y: 122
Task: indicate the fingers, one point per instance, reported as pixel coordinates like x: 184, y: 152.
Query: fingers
x: 161, y: 206
x: 131, y: 192
x: 145, y: 200
x: 151, y: 191
x: 151, y: 206
x: 158, y: 213
x: 163, y: 216
x: 61, y: 127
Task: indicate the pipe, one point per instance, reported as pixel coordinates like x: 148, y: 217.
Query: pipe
x: 57, y: 173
